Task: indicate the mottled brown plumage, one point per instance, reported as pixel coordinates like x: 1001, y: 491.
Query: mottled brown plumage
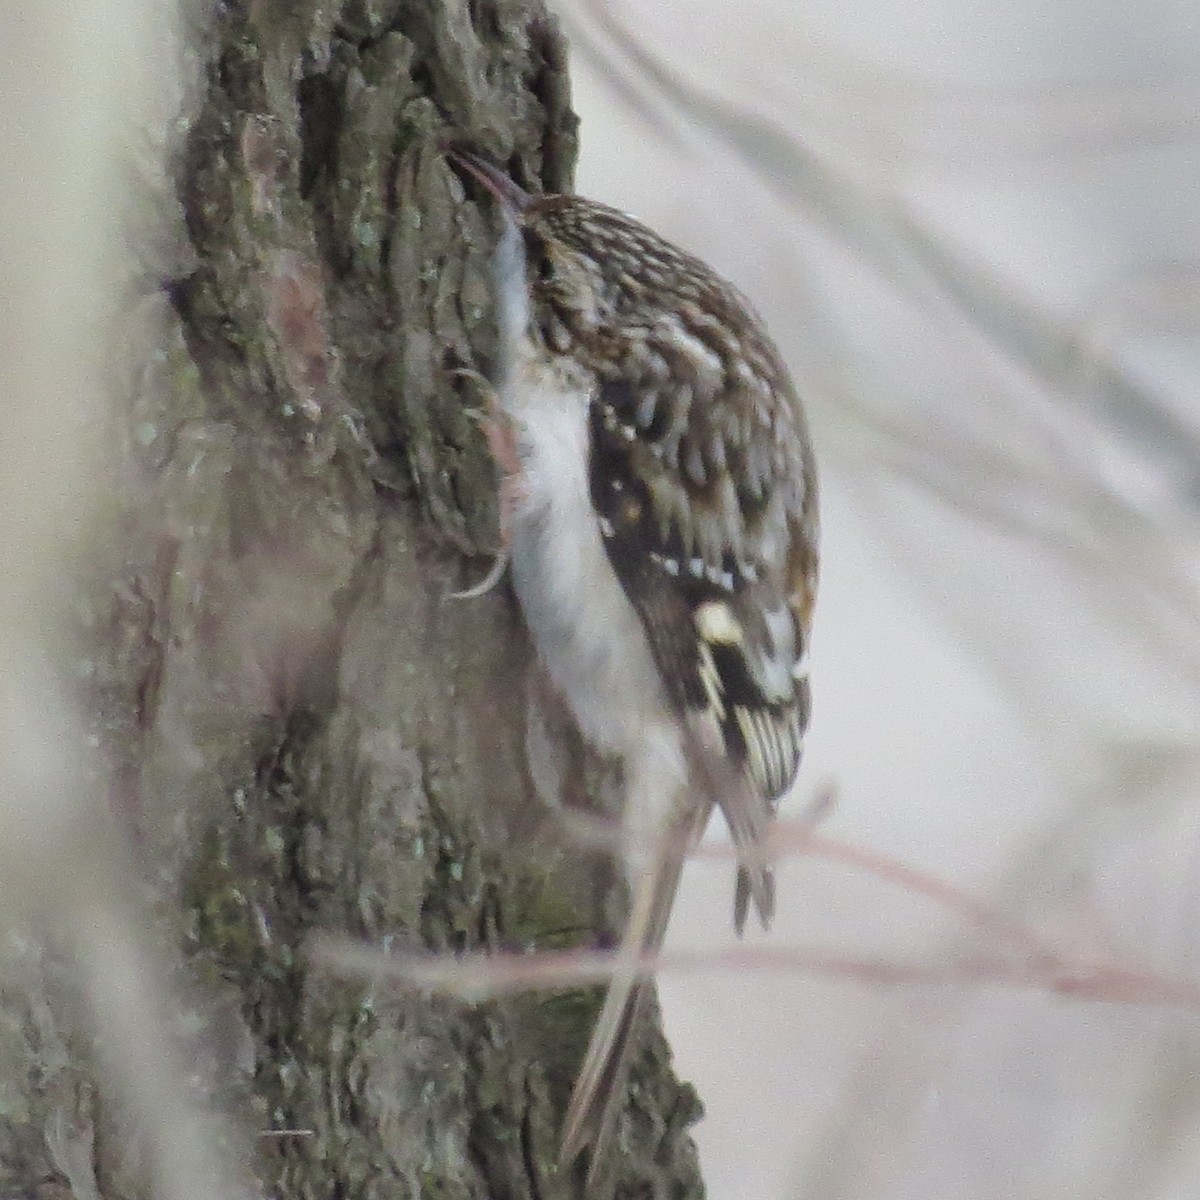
x: 664, y: 552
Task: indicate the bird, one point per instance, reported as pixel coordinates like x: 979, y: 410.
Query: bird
x: 661, y: 524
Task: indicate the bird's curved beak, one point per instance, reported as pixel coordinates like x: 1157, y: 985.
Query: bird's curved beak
x: 514, y: 198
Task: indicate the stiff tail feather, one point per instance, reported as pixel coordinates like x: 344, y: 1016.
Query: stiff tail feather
x: 600, y: 1087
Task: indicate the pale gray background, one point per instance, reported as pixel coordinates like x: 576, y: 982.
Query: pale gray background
x: 994, y: 321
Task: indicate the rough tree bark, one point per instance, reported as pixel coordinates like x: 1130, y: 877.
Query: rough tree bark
x: 307, y: 736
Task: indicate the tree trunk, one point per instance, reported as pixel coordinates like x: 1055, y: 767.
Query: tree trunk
x: 309, y: 737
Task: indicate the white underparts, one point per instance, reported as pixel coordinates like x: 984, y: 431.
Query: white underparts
x: 587, y: 633
x: 586, y: 629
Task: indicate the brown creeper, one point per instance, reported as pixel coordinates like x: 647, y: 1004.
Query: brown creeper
x: 663, y: 544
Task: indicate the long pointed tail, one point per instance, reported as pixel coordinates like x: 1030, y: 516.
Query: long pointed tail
x: 600, y: 1088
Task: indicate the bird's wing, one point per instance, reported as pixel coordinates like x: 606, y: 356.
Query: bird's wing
x: 706, y: 527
